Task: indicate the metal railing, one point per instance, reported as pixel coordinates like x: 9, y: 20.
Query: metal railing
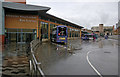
x: 35, y: 68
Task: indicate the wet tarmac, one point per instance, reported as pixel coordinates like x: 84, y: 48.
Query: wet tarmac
x: 71, y: 59
x: 57, y: 59
x: 105, y: 58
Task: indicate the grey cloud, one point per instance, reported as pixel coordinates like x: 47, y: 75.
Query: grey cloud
x: 86, y: 14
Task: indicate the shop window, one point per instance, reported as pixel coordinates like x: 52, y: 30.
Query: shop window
x: 44, y: 27
x: 20, y: 35
x: 70, y: 34
x: 51, y: 26
x: 68, y: 30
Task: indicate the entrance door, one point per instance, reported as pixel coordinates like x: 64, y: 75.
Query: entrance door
x: 21, y: 37
x: 29, y: 37
x: 24, y: 37
x: 12, y: 37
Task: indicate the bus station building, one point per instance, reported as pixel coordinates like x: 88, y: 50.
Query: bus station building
x: 21, y: 22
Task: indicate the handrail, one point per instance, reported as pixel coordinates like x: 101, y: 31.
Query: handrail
x: 36, y: 65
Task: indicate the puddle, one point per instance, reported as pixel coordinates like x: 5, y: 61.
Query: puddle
x: 77, y: 48
x: 107, y: 52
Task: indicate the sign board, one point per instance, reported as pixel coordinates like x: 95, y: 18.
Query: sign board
x: 21, y: 21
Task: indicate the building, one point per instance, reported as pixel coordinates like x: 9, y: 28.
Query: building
x: 95, y: 29
x: 102, y: 30
x: 16, y: 1
x: 108, y: 30
x: 86, y: 31
x: 20, y: 22
x: 117, y: 31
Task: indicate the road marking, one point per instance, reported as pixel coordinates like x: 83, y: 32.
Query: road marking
x: 92, y: 65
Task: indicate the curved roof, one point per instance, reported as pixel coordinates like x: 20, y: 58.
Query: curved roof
x: 34, y: 8
x: 24, y: 7
x: 62, y: 20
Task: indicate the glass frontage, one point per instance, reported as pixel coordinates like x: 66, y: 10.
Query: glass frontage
x: 19, y: 35
x: 51, y: 28
x: 68, y: 32
x: 78, y: 33
x: 74, y: 33
x: 44, y: 30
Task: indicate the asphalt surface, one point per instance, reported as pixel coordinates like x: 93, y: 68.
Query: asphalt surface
x: 58, y: 60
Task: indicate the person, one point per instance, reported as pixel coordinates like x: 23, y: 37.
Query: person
x: 38, y: 38
x: 96, y: 36
x: 106, y: 37
x: 85, y: 37
x: 93, y: 37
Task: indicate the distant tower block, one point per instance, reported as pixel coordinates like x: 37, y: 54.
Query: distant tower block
x: 113, y: 27
x: 16, y: 1
x: 101, y: 29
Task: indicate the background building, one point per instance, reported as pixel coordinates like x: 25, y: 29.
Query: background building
x: 117, y: 31
x: 95, y: 29
x: 102, y: 30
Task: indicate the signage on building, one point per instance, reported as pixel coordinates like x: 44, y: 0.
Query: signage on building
x: 21, y: 21
x: 23, y: 18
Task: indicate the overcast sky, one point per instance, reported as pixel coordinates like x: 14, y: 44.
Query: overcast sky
x: 83, y: 13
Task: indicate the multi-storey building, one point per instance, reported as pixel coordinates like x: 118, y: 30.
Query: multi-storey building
x: 103, y: 30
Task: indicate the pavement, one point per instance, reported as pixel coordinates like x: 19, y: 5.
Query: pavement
x: 71, y: 59
x: 15, y: 61
x: 116, y: 37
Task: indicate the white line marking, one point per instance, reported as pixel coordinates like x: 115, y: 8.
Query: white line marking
x: 92, y: 65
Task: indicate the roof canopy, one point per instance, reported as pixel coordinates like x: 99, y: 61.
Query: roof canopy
x: 24, y: 7
x: 33, y: 8
x: 49, y: 16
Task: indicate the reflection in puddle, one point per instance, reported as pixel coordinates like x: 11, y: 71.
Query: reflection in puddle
x: 15, y: 49
x: 114, y: 44
x: 49, y: 54
x: 100, y: 44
